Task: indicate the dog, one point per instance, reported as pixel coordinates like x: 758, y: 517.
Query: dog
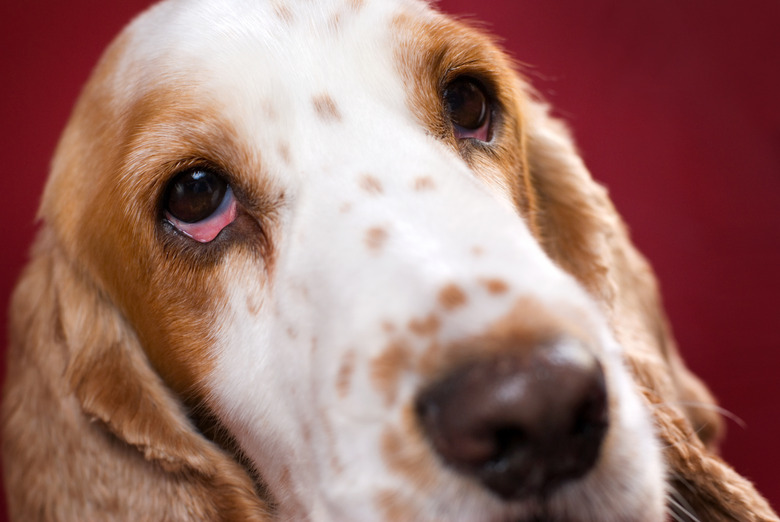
x: 336, y: 261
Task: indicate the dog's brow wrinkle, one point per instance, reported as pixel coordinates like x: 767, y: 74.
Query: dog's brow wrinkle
x: 477, y: 251
x: 452, y: 297
x: 326, y: 108
x: 371, y: 184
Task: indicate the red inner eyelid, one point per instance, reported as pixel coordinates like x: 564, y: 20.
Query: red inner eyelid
x: 207, y: 229
x: 481, y: 134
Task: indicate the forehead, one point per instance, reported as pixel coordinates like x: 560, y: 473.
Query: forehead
x: 269, y: 67
x: 277, y: 48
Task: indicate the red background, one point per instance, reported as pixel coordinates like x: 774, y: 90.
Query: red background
x: 676, y: 109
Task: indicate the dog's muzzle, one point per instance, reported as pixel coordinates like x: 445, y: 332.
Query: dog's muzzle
x: 521, y: 423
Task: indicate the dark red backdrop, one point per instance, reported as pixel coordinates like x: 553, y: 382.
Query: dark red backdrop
x: 676, y: 108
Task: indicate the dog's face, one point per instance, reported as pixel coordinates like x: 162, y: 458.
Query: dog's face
x: 323, y: 225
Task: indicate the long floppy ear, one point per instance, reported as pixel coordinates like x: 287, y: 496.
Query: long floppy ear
x: 90, y: 432
x: 582, y: 232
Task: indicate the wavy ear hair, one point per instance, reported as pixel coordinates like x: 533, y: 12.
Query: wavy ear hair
x: 580, y: 229
x: 90, y: 432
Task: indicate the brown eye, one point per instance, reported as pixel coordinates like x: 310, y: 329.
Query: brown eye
x: 467, y: 107
x: 194, y: 195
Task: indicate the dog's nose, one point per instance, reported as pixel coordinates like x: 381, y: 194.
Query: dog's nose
x: 522, y: 424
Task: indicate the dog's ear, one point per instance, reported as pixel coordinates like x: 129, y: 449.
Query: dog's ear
x: 90, y: 430
x: 582, y: 232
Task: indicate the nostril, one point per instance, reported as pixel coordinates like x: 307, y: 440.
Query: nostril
x: 522, y: 424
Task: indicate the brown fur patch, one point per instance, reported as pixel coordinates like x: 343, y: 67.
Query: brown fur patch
x: 452, y: 297
x: 344, y: 377
x: 406, y: 453
x: 371, y: 184
x: 432, y: 52
x: 527, y: 325
x: 284, y: 153
x: 334, y: 23
x: 393, y: 506
x: 345, y: 207
x: 376, y: 238
x: 167, y: 287
x: 425, y: 327
x: 424, y: 183
x: 387, y: 368
x: 495, y: 286
x: 283, y: 12
x: 254, y: 303
x: 326, y: 108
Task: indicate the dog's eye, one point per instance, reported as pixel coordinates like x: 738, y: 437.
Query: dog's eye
x: 467, y: 107
x: 199, y: 203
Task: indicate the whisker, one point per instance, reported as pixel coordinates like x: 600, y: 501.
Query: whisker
x: 714, y: 407
x: 680, y: 509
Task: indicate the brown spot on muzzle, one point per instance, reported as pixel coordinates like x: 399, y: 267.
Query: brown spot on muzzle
x: 376, y: 238
x: 407, y: 453
x: 495, y: 286
x: 425, y: 327
x: 387, y: 368
x: 452, y: 297
x: 344, y: 377
x: 371, y: 184
x: 424, y: 183
x: 528, y: 324
x: 326, y: 108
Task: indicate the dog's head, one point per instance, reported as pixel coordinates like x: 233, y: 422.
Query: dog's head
x: 348, y: 235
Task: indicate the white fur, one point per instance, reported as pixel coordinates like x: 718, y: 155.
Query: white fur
x: 276, y: 370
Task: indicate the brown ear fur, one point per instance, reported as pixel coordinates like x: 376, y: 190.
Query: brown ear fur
x: 90, y: 432
x: 583, y: 233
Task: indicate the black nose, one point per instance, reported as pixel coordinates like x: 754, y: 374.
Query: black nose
x: 520, y: 424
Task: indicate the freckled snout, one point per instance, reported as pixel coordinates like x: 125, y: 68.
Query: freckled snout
x: 520, y: 423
